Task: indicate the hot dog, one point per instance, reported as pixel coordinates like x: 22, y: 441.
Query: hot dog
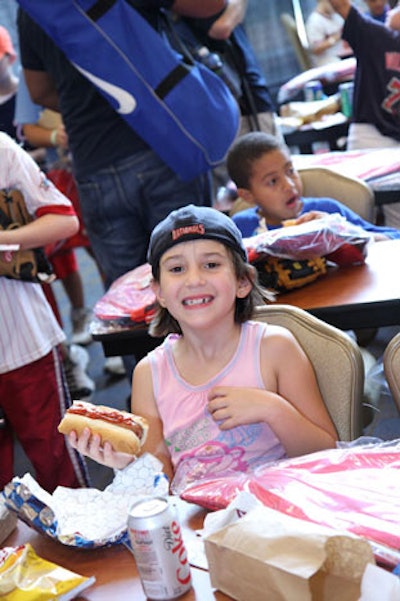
x: 125, y: 431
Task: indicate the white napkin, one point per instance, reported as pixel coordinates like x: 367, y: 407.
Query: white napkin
x: 96, y: 515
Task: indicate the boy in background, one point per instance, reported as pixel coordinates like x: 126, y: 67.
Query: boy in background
x: 262, y: 170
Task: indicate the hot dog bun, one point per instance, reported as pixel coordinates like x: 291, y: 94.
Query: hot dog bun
x: 125, y: 431
x: 289, y: 222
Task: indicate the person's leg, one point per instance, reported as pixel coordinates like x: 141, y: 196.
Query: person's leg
x: 66, y: 268
x: 366, y: 135
x: 35, y: 402
x: 6, y: 440
x: 122, y: 204
x: 73, y: 286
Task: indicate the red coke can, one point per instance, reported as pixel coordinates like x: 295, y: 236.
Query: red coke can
x: 158, y: 548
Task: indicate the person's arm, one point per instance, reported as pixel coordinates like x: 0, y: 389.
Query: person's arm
x: 342, y: 7
x: 194, y: 8
x: 232, y: 16
x: 143, y: 403
x: 291, y: 402
x: 40, y: 136
x: 42, y: 89
x: 47, y: 229
x: 328, y: 42
x: 331, y: 205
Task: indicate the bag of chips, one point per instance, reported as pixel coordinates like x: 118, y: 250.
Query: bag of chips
x: 24, y: 576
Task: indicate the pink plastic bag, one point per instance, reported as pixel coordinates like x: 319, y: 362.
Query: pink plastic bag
x: 354, y: 488
x: 317, y: 238
x: 129, y: 299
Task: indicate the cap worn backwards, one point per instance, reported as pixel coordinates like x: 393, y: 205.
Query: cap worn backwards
x: 193, y: 223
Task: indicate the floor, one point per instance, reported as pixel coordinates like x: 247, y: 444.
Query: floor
x: 115, y: 391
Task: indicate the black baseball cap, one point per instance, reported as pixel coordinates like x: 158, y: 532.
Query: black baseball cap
x: 193, y: 223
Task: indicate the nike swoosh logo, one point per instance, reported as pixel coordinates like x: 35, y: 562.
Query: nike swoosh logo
x: 127, y: 103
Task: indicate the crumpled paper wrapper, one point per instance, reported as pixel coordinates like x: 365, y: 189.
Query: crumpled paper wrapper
x: 87, y: 517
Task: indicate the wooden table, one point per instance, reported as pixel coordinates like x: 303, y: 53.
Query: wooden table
x: 114, y: 567
x: 306, y: 136
x: 362, y: 296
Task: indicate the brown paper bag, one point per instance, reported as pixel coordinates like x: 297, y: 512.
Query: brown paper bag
x: 268, y: 555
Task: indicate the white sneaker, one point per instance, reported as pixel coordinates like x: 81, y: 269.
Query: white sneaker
x: 114, y: 366
x: 80, y: 386
x: 79, y: 355
x: 80, y: 319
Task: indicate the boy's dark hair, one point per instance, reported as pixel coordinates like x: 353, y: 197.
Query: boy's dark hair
x: 163, y: 323
x: 245, y: 150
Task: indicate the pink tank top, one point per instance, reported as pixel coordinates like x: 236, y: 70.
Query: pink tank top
x: 198, y: 448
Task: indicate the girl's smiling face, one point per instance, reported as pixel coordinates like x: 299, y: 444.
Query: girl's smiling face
x: 275, y: 186
x: 198, y: 284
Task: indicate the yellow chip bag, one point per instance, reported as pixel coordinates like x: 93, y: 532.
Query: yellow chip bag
x: 24, y: 576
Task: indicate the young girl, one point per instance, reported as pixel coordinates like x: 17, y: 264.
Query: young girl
x: 223, y: 393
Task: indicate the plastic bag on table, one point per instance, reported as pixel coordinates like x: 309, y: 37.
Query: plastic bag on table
x: 325, y: 237
x: 353, y: 488
x: 129, y: 300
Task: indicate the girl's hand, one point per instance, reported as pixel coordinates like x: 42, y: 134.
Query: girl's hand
x: 235, y: 406
x: 90, y: 445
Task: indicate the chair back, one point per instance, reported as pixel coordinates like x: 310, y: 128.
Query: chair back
x: 391, y: 366
x: 336, y: 359
x: 321, y: 182
x: 302, y: 53
x: 350, y: 191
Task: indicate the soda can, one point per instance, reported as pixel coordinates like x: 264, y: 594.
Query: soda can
x: 158, y: 548
x: 346, y: 98
x: 313, y: 91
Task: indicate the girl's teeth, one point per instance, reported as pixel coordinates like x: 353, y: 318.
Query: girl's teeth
x: 196, y: 301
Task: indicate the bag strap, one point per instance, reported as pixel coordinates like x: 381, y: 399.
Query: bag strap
x: 177, y: 41
x: 229, y: 48
x: 237, y: 61
x: 99, y: 9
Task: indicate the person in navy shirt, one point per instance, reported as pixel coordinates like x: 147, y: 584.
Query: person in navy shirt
x: 377, y: 9
x: 376, y: 106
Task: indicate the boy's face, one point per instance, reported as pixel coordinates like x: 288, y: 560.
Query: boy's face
x: 275, y: 186
x: 376, y: 7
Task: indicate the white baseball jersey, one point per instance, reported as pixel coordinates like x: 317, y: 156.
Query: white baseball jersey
x: 28, y: 327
